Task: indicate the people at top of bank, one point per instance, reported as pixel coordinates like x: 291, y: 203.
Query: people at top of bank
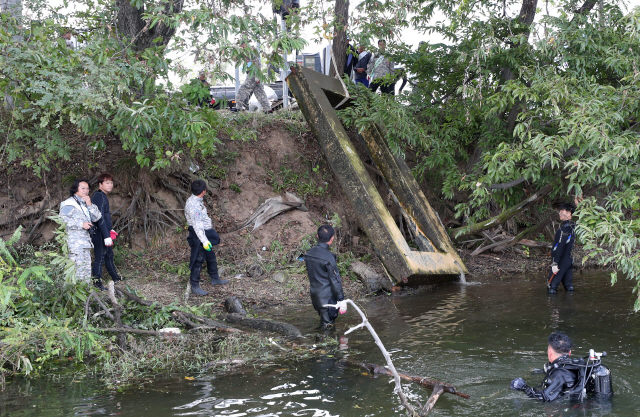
x: 559, y: 378
x: 561, y: 259
x: 381, y: 71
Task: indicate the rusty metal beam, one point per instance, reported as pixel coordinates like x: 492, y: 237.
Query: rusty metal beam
x: 317, y: 95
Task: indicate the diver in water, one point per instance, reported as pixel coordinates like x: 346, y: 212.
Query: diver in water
x: 560, y: 378
x: 561, y: 260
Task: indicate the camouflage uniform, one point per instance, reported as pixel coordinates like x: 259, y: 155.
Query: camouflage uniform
x: 74, y: 212
x: 200, y: 228
x: 252, y: 85
x: 378, y: 68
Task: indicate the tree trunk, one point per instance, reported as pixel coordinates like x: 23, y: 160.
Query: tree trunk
x: 340, y: 38
x: 586, y: 7
x: 13, y: 7
x: 525, y: 17
x: 131, y: 25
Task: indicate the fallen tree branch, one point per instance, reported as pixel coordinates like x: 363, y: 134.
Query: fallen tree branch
x: 209, y: 322
x: 425, y: 382
x: 465, y: 231
x: 520, y: 238
x: 437, y: 390
x: 342, y: 305
x: 123, y: 330
x: 104, y: 308
x: 111, y: 294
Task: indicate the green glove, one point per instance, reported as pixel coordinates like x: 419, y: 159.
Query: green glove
x: 207, y: 246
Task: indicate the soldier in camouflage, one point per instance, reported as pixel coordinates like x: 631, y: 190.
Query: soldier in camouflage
x: 252, y: 85
x: 202, y: 237
x: 78, y: 214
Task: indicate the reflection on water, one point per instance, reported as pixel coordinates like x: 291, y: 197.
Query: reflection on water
x: 477, y: 337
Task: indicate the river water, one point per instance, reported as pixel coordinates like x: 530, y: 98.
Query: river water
x: 477, y: 336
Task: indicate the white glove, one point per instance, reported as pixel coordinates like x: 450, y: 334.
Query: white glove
x: 555, y: 269
x: 342, y: 306
x: 108, y: 242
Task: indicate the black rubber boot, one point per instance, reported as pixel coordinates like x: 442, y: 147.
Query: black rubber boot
x: 116, y: 279
x: 97, y: 282
x: 195, y: 289
x: 219, y: 281
x: 570, y: 289
x: 552, y: 290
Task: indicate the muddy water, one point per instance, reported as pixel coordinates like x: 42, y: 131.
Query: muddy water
x: 477, y: 336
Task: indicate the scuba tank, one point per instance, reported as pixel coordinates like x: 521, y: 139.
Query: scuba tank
x: 593, y: 377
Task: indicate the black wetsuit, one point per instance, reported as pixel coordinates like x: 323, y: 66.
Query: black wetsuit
x: 325, y: 284
x: 558, y: 381
x: 561, y: 256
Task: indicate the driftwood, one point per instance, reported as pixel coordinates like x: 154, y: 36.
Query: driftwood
x: 373, y: 281
x: 374, y: 369
x: 271, y: 208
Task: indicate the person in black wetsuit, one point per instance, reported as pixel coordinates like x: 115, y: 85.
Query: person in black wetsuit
x: 558, y: 379
x: 103, y: 240
x: 562, y: 262
x: 325, y: 284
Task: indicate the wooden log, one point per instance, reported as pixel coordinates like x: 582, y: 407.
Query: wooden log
x: 285, y: 329
x: 465, y: 231
x: 425, y: 382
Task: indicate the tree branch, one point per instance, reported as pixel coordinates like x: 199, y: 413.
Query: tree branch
x: 464, y: 231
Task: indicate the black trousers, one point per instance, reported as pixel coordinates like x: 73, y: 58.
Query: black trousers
x: 199, y: 255
x: 388, y: 89
x: 328, y: 315
x: 564, y: 275
x: 103, y: 255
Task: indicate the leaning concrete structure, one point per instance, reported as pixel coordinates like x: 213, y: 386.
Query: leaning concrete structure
x: 436, y: 260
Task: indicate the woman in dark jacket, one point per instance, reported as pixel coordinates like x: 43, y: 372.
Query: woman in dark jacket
x: 103, y: 252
